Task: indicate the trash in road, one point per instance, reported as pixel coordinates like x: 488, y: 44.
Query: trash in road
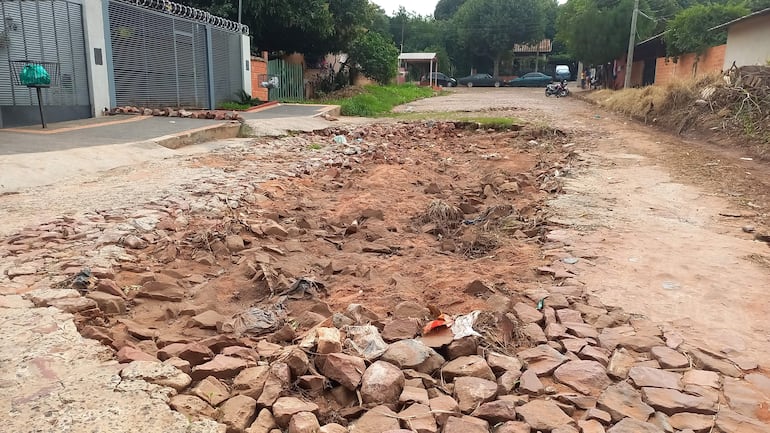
x: 340, y: 139
x: 366, y: 341
x: 256, y: 321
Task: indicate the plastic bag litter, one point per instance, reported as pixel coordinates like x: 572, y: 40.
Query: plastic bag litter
x: 256, y: 321
x: 365, y: 341
x: 84, y: 281
x: 463, y: 325
x: 34, y: 74
x: 340, y: 139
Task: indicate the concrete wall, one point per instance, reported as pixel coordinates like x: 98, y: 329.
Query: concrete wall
x: 246, y: 63
x: 748, y: 42
x: 666, y: 70
x: 94, y: 12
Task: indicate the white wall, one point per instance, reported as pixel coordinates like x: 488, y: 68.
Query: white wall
x: 748, y: 42
x: 99, y: 83
x: 246, y: 60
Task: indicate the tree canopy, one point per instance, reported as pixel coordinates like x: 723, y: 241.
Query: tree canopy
x: 490, y: 28
x: 688, y: 31
x: 446, y: 9
x: 375, y: 55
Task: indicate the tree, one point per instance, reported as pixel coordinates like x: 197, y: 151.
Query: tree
x: 446, y: 9
x: 689, y: 31
x: 757, y: 5
x: 596, y: 31
x: 490, y: 28
x: 375, y: 55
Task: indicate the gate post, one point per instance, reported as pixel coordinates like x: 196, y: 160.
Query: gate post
x: 246, y: 62
x: 210, y: 65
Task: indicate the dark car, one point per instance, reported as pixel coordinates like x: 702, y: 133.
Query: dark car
x: 480, y: 80
x: 443, y: 80
x: 532, y: 79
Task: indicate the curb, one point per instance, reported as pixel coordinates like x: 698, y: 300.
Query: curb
x: 261, y: 107
x: 220, y: 131
x: 330, y: 110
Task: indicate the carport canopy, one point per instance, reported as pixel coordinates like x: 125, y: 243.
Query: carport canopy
x: 431, y: 58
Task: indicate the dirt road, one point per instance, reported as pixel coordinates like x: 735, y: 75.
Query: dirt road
x: 378, y: 215
x: 658, y: 219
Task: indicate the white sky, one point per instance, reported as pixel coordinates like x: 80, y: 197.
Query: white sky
x: 421, y: 7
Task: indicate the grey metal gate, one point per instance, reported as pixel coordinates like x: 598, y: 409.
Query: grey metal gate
x: 50, y: 31
x: 291, y: 84
x: 167, y: 54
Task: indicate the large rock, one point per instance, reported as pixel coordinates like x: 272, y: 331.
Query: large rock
x: 74, y: 305
x: 669, y: 358
x: 544, y: 415
x: 692, y: 421
x: 418, y: 418
x: 207, y: 320
x: 623, y: 400
x: 400, y: 329
x: 333, y: 428
x: 464, y: 425
x: 496, y: 411
x: 413, y: 354
x: 108, y: 303
x: 382, y: 383
x: 221, y: 367
x: 631, y: 425
x: 251, y: 381
x: 44, y: 297
x: 670, y: 401
x: 500, y: 363
x: 304, y: 422
x: 237, y: 413
x: 701, y: 378
x: 211, y: 390
x: 708, y: 362
x: 473, y: 366
x: 587, y: 377
x: 157, y: 373
x: 411, y: 310
x: 295, y: 358
x: 620, y: 363
x: 472, y: 391
x: 194, y: 353
x: 129, y: 354
x: 278, y: 379
x: 590, y: 426
x: 530, y: 383
x: 285, y: 407
x: 527, y: 313
x: 581, y: 330
x: 542, y: 359
x: 443, y: 407
x: 729, y: 421
x: 376, y: 420
x: 345, y: 369
x: 161, y: 291
x: 264, y: 423
x: 413, y: 394
x: 192, y: 406
x: 329, y: 340
x: 654, y: 377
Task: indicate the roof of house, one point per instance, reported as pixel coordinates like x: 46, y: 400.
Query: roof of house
x: 543, y: 46
x: 743, y: 18
x: 417, y: 57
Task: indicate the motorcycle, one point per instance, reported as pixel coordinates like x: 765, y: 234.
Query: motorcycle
x: 557, y: 89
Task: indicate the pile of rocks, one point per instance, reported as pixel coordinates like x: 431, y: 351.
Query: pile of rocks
x: 586, y: 368
x: 173, y: 112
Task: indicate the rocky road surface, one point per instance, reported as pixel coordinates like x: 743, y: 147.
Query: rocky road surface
x: 635, y: 218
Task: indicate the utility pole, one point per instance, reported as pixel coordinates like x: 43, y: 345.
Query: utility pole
x: 630, y: 58
x: 240, y: 9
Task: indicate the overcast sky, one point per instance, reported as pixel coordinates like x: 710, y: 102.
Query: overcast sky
x: 422, y: 7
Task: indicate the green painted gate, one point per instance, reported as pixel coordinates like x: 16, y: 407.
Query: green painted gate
x: 290, y: 80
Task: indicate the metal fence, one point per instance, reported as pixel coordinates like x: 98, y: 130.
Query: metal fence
x: 44, y: 31
x: 290, y: 79
x: 159, y: 59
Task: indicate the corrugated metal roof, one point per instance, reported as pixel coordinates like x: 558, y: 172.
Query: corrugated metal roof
x: 543, y: 46
x: 417, y: 56
x: 752, y: 15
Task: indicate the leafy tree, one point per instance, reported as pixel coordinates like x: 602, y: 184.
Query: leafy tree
x: 490, y: 28
x: 596, y: 31
x: 375, y: 55
x: 688, y: 31
x: 757, y: 5
x: 446, y: 9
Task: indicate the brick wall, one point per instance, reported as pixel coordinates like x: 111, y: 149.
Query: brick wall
x: 258, y: 67
x: 711, y: 61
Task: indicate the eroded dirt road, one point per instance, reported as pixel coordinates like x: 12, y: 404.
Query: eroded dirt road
x: 577, y: 199
x: 658, y: 219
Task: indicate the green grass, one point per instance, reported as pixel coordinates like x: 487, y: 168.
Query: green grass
x: 315, y: 146
x: 379, y: 100
x: 485, y: 122
x: 237, y: 106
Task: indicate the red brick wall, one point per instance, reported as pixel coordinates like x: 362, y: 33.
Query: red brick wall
x: 258, y: 67
x: 711, y: 61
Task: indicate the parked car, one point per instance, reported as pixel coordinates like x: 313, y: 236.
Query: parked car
x: 532, y: 79
x: 481, y: 80
x: 443, y: 80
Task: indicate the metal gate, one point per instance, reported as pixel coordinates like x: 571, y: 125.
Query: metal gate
x: 43, y: 31
x: 161, y: 59
x: 291, y: 83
